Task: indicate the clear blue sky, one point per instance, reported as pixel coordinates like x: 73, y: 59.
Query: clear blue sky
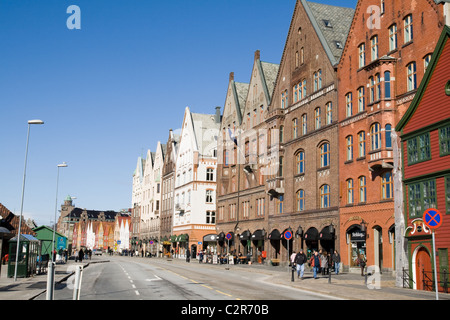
x: 113, y: 89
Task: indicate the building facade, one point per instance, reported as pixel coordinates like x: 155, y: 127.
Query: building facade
x: 387, y: 50
x: 195, y: 183
x: 425, y: 145
x: 304, y: 111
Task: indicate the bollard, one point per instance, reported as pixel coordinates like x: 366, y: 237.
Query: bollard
x: 329, y: 276
x: 293, y: 271
x: 77, y: 284
x: 50, y: 280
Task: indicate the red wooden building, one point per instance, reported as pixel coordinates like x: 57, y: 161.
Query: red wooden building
x: 425, y: 134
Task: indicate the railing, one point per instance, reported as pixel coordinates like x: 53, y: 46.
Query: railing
x: 429, y: 283
x: 407, y: 279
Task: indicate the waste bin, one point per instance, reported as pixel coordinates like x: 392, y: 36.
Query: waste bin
x: 29, y: 248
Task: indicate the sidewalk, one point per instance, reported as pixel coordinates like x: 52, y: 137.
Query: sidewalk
x: 29, y: 288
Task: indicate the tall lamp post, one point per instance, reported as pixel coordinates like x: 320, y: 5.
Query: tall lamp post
x: 30, y: 122
x: 51, y: 265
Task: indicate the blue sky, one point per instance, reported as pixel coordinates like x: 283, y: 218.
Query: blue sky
x: 113, y: 89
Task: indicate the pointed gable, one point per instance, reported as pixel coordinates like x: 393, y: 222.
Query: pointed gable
x: 234, y: 102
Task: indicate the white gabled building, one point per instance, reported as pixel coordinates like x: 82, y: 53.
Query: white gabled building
x: 146, y: 200
x: 195, y: 182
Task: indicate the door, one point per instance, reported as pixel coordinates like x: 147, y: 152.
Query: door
x: 423, y: 270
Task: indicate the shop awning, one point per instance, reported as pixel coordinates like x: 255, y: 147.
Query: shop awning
x: 173, y: 238
x: 258, y: 235
x: 246, y: 235
x: 275, y: 235
x: 182, y: 238
x: 210, y: 238
x: 312, y: 234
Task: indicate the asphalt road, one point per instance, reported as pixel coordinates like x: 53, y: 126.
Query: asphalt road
x: 125, y: 278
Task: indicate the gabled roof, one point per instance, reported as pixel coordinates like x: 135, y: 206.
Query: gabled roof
x: 445, y: 35
x: 269, y: 73
x: 206, y: 131
x: 332, y: 25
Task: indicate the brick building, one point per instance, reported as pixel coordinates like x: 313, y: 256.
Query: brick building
x: 387, y: 50
x: 425, y: 134
x: 304, y: 111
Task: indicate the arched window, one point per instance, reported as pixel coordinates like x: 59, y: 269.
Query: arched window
x: 300, y: 196
x: 300, y: 162
x: 324, y: 154
x: 375, y: 136
x: 325, y: 196
x: 350, y: 191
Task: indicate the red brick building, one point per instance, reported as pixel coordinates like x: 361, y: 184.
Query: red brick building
x: 425, y: 133
x: 387, y: 51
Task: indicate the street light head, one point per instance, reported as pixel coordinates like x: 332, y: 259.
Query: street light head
x: 62, y: 165
x: 35, y: 122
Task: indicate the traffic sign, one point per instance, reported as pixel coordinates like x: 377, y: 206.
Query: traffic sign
x: 288, y: 235
x: 228, y: 236
x: 432, y: 218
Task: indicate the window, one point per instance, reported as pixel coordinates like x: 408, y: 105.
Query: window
x: 296, y: 92
x: 362, y: 189
x: 371, y: 90
x: 325, y: 154
x: 447, y: 194
x: 284, y: 99
x: 303, y: 88
x: 280, y: 200
x: 411, y: 76
x: 296, y: 59
x: 209, y: 196
x: 387, y: 189
x: 419, y: 148
x: 304, y: 124
x: 422, y: 196
x: 361, y: 144
x: 375, y: 137
x: 300, y: 195
x: 209, y: 174
x: 295, y: 128
x: 317, y: 80
x: 361, y: 101
x: 377, y: 87
x: 280, y: 166
x: 260, y: 206
x: 281, y: 134
x: 444, y: 141
x: 210, y: 217
x: 393, y: 37
x: 329, y: 107
x: 300, y: 162
x: 362, y: 55
x: 302, y: 55
x: 325, y: 196
x: 408, y: 28
x: 317, y: 117
x: 374, y: 47
x: 350, y: 190
x: 388, y: 138
x: 349, y: 143
x: 226, y: 159
x: 426, y: 61
x: 387, y: 85
x: 348, y: 104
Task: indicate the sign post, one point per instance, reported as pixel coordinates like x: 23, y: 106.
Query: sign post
x: 288, y: 236
x: 433, y: 220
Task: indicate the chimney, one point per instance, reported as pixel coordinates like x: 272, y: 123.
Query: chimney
x: 217, y: 116
x: 257, y: 55
x: 231, y: 76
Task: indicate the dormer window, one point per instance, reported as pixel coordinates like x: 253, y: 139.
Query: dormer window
x: 327, y: 23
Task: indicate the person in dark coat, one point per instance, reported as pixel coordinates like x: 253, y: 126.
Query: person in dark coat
x: 188, y: 255
x: 81, y: 255
x: 336, y: 261
x: 300, y: 260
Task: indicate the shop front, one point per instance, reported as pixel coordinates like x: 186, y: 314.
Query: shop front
x: 356, y: 240
x: 311, y: 238
x: 275, y: 240
x: 258, y: 242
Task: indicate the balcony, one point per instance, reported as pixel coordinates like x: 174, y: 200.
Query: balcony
x: 275, y: 187
x: 380, y: 159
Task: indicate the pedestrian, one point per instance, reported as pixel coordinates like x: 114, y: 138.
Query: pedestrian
x: 336, y: 258
x: 200, y: 260
x: 188, y: 255
x: 292, y: 259
x: 315, y: 263
x: 80, y: 255
x: 362, y: 263
x: 300, y: 260
x: 323, y: 262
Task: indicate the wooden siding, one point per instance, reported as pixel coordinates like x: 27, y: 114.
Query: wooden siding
x: 435, y: 164
x: 435, y: 104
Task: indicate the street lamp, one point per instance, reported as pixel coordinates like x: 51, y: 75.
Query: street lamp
x: 51, y: 265
x: 30, y: 122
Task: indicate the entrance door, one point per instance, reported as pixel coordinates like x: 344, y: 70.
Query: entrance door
x: 423, y: 263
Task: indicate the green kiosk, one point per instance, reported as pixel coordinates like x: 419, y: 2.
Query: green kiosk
x: 28, y: 253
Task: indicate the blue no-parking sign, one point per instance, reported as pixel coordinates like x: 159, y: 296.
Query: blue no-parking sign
x: 432, y: 218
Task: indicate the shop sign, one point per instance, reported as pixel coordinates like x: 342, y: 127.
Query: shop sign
x: 358, y: 236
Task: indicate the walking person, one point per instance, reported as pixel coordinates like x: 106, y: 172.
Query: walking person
x: 80, y: 255
x: 292, y: 258
x: 362, y: 263
x: 315, y: 263
x: 336, y: 258
x: 188, y: 255
x: 323, y: 262
x: 300, y: 260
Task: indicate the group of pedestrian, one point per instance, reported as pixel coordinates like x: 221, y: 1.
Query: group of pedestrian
x: 319, y: 261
